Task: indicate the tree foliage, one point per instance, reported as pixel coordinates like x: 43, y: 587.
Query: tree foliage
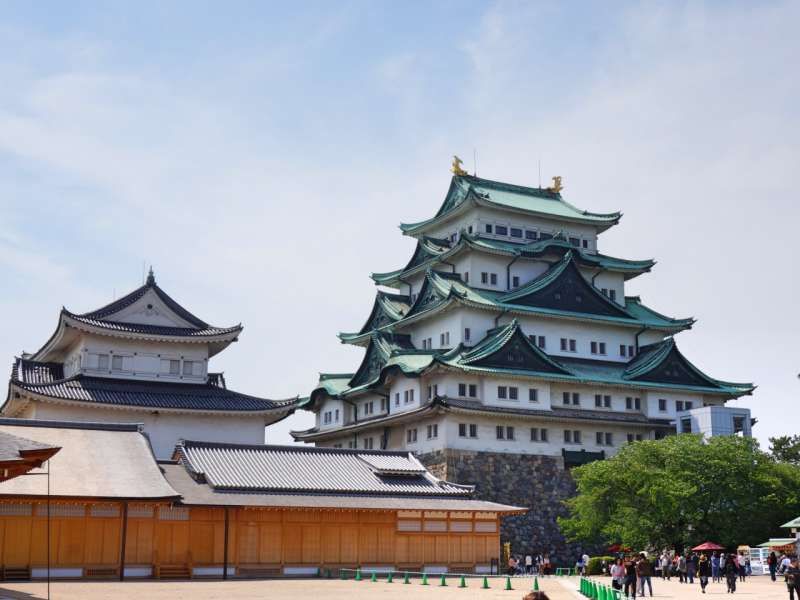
x: 681, y: 491
x: 786, y: 448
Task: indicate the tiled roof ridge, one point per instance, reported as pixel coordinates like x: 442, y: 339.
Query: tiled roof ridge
x: 186, y: 443
x: 169, y: 330
x: 57, y: 424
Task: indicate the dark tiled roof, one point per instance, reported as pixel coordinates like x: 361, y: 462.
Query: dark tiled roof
x: 195, y: 492
x: 39, y: 378
x: 158, y: 330
x: 298, y: 469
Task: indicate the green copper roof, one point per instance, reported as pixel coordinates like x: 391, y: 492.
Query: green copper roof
x: 468, y: 191
x: 387, y: 309
x: 506, y: 351
x: 442, y: 290
x: 425, y: 256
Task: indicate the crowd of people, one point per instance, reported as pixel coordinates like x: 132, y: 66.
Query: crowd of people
x: 538, y: 564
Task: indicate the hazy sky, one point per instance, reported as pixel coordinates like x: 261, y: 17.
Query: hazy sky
x: 260, y: 156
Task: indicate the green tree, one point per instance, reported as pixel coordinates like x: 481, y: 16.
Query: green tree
x: 786, y: 448
x: 681, y: 491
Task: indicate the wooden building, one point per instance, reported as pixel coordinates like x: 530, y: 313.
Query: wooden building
x: 232, y: 510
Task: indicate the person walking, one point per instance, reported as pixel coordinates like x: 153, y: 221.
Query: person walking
x: 617, y: 573
x: 793, y: 579
x: 682, y: 569
x: 691, y: 567
x: 528, y: 564
x: 772, y: 563
x: 644, y: 571
x: 664, y: 563
x: 742, y: 567
x: 703, y: 571
x: 715, y: 567
x: 731, y: 572
x: 630, y: 578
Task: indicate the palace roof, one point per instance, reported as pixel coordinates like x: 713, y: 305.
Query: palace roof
x: 95, y: 460
x: 430, y: 252
x: 147, y: 313
x: 19, y: 455
x: 560, y: 292
x: 467, y: 191
x: 507, y: 351
x: 46, y: 382
x: 298, y: 469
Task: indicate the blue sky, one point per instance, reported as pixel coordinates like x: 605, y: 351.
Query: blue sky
x: 260, y: 156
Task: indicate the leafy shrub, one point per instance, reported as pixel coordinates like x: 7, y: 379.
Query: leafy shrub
x: 595, y: 566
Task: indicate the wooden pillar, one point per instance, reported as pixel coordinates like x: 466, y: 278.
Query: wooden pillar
x: 225, y: 547
x: 124, y: 538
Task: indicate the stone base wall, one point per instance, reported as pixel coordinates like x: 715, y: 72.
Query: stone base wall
x: 539, y: 483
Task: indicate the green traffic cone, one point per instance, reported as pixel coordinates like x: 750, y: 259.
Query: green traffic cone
x: 406, y: 578
x: 443, y: 581
x: 508, y: 584
x: 424, y: 579
x: 342, y: 574
x: 485, y: 585
x: 463, y: 582
x: 535, y: 584
x: 358, y: 574
x: 374, y: 577
x: 389, y: 577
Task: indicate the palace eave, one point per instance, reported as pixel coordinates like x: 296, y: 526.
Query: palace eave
x: 44, y: 382
x: 467, y: 191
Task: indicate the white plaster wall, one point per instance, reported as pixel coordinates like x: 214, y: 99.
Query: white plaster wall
x: 611, y: 281
x: 654, y: 396
x: 332, y: 405
x: 432, y: 327
x: 423, y: 443
x: 587, y: 397
x: 141, y: 359
x: 400, y: 385
x: 164, y: 429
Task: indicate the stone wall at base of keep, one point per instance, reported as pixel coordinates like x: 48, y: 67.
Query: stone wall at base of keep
x: 539, y: 483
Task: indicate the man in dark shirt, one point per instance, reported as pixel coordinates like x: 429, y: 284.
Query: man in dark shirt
x: 644, y: 571
x: 793, y: 579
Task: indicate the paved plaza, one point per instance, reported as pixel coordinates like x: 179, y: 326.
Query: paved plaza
x: 760, y: 588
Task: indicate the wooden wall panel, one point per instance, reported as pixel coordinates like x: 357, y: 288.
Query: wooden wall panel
x: 173, y: 542
x: 312, y: 546
x: 386, y: 544
x: 442, y: 550
x: 331, y: 540
x: 270, y: 543
x: 139, y: 542
x: 73, y: 535
x: 349, y: 544
x: 401, y: 549
x: 247, y: 543
x: 416, y: 549
x: 17, y: 542
x: 292, y: 543
x: 367, y: 543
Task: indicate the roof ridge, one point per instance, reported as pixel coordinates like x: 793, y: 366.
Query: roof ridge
x: 53, y: 424
x: 290, y: 448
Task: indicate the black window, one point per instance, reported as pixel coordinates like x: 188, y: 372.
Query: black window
x: 622, y: 349
x: 687, y: 405
x: 599, y: 438
x: 488, y: 228
x: 473, y: 431
x: 466, y: 334
x: 609, y: 439
x: 473, y: 390
x: 501, y: 230
x: 630, y: 437
x: 533, y: 395
x: 629, y: 403
x: 541, y: 342
x: 530, y: 235
x: 567, y: 436
x: 500, y: 432
x: 462, y: 430
x: 598, y: 400
x: 545, y: 236
x: 686, y: 425
x: 574, y: 241
x: 564, y: 344
x: 501, y: 391
x: 585, y: 243
x: 397, y: 399
x: 572, y: 345
x: 594, y: 347
x: 637, y: 403
x: 576, y: 437
x: 515, y: 281
x: 484, y: 278
x: 612, y: 294
x: 509, y: 433
x: 662, y: 404
x: 493, y: 278
x: 469, y: 229
x: 601, y: 347
x: 534, y: 434
x: 576, y: 398
x: 565, y: 396
x: 517, y: 233
x: 513, y: 393
x: 543, y: 435
x: 630, y: 351
x: 462, y: 389
x: 679, y: 405
x: 738, y: 424
x: 607, y: 401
